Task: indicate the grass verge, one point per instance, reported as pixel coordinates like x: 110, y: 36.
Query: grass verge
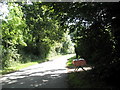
x: 84, y: 79
x: 69, y: 62
x: 19, y: 66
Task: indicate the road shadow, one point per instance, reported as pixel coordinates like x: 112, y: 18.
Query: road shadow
x: 44, y: 79
x: 72, y: 68
x: 51, y: 74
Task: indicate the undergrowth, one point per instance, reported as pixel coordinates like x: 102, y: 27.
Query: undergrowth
x: 84, y: 79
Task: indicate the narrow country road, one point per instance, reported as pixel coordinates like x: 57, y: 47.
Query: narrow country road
x: 51, y: 74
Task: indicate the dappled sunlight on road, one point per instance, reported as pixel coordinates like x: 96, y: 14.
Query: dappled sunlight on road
x: 49, y: 74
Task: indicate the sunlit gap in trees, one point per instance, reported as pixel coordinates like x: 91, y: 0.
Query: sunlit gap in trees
x: 82, y: 22
x: 3, y: 11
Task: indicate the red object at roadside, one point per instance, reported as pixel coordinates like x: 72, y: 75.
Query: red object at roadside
x: 79, y: 62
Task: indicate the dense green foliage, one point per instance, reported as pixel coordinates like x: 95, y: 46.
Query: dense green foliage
x: 12, y: 35
x: 94, y: 28
x: 39, y: 30
x: 30, y: 32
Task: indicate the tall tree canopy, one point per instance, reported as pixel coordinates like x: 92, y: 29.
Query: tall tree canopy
x: 30, y: 31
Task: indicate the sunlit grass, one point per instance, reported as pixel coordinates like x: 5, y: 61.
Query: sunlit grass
x: 51, y: 58
x: 18, y: 66
x: 69, y: 62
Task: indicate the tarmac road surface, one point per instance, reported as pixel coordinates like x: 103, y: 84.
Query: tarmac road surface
x: 51, y: 74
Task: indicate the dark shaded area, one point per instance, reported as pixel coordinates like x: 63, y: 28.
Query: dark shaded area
x: 95, y: 32
x: 86, y: 80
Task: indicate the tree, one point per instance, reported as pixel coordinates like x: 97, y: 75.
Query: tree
x: 96, y: 28
x: 12, y: 34
x: 44, y: 29
x: 30, y: 31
